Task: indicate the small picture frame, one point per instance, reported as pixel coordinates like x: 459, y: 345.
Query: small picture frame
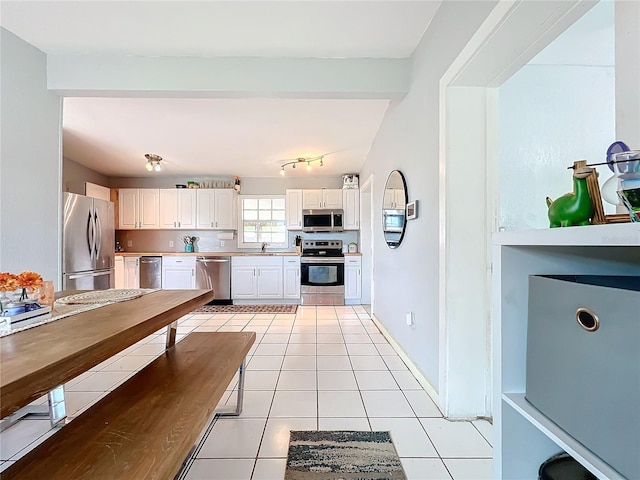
x: 412, y: 210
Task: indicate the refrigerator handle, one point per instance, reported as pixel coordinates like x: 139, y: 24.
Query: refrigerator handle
x: 98, y: 229
x: 90, y: 233
x: 91, y: 274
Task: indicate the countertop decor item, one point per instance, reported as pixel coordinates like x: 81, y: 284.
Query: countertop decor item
x: 573, y: 208
x: 189, y: 243
x: 353, y: 247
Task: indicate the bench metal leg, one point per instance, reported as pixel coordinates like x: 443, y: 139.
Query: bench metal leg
x: 172, y: 329
x: 55, y: 409
x: 238, y: 409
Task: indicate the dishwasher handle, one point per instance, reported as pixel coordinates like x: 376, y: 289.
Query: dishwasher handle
x: 204, y: 260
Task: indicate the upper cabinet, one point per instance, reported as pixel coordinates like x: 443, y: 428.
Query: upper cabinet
x: 294, y: 209
x: 394, y: 198
x: 178, y: 208
x: 351, y: 207
x: 138, y: 208
x: 216, y: 209
x: 322, y: 198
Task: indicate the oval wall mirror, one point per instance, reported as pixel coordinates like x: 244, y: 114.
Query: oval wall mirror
x: 393, y: 209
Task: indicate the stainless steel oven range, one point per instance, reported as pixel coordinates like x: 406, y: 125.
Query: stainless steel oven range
x: 322, y: 272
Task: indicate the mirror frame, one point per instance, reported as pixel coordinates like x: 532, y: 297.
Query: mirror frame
x: 395, y: 244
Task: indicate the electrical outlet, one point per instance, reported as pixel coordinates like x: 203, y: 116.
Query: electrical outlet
x: 409, y: 318
x: 222, y: 243
x: 129, y: 243
x: 170, y: 243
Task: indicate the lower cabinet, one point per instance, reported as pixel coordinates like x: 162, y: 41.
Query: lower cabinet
x: 127, y: 272
x: 352, y: 279
x: 131, y: 272
x: 178, y: 272
x: 291, y: 277
x: 257, y: 277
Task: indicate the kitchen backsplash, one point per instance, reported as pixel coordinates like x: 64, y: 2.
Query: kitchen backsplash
x: 208, y: 240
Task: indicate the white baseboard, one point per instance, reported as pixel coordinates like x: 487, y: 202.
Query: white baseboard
x: 422, y: 380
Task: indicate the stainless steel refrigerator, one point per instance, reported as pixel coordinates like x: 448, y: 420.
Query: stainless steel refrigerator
x: 88, y: 239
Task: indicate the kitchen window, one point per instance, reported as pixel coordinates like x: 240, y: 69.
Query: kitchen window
x: 262, y: 220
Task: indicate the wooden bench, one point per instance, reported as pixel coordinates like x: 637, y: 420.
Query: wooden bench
x: 145, y: 428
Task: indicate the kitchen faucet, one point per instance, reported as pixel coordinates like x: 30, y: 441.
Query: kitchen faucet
x: 264, y: 247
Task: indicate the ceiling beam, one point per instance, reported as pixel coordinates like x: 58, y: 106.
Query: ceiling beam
x: 230, y: 77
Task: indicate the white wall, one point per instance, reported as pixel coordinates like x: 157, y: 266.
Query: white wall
x: 406, y: 279
x: 74, y: 177
x: 31, y: 162
x: 558, y: 109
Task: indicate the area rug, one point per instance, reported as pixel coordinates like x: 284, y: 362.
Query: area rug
x: 246, y: 309
x: 342, y: 455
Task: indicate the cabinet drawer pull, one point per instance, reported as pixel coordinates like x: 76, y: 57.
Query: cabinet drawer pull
x: 587, y: 319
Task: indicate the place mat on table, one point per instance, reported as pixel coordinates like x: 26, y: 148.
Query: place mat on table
x: 112, y: 295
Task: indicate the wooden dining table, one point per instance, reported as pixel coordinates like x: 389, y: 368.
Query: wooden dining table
x: 35, y: 361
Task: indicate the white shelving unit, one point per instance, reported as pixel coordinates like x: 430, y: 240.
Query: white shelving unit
x: 524, y: 437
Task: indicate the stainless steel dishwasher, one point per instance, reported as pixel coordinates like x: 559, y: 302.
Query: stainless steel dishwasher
x: 215, y: 273
x: 151, y: 272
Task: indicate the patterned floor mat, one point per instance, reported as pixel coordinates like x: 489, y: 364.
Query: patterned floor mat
x: 246, y: 309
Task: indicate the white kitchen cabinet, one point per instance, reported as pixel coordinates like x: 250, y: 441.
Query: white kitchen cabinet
x: 291, y: 277
x: 352, y: 279
x: 177, y: 208
x: 322, y: 198
x: 256, y: 277
x: 294, y: 209
x: 394, y: 198
x: 216, y: 209
x: 138, y: 208
x: 351, y: 207
x: 523, y: 436
x: 178, y: 272
x: 131, y: 272
x: 118, y: 263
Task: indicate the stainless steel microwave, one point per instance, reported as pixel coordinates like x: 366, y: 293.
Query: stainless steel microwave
x: 325, y: 220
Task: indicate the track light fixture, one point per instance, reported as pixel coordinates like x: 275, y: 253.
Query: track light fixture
x: 302, y: 160
x: 153, y: 162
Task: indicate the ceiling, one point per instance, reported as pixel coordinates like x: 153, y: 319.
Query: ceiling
x: 248, y: 137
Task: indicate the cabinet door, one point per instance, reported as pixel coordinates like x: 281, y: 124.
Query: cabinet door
x: 311, y: 199
x: 127, y: 208
x: 178, y: 278
x: 186, y: 208
x: 132, y: 272
x: 352, y: 283
x: 225, y: 209
x: 331, y: 198
x: 119, y: 272
x: 294, y: 210
x: 270, y: 282
x: 244, y: 282
x: 168, y: 208
x: 291, y: 277
x: 351, y: 206
x: 149, y: 207
x: 399, y: 198
x: 389, y: 200
x: 205, y: 208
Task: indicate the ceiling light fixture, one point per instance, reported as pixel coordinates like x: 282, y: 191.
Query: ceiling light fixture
x: 299, y: 160
x: 153, y: 162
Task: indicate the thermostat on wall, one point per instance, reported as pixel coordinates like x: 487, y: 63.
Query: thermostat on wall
x: 412, y: 210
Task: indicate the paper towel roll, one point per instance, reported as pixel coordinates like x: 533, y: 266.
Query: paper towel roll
x: 225, y: 235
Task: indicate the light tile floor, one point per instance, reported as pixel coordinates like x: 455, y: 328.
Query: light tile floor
x: 323, y: 368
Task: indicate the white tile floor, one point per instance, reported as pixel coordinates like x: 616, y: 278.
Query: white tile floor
x: 323, y: 368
